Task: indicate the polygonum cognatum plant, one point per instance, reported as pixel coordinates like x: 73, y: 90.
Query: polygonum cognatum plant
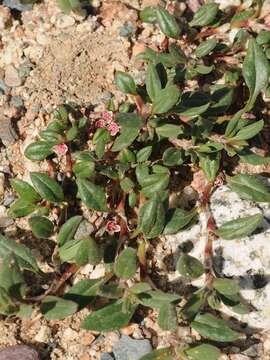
x: 124, y: 178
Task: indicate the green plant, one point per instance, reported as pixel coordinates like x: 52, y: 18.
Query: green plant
x: 125, y: 177
x: 65, y: 5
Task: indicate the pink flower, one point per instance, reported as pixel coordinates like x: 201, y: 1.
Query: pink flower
x: 60, y: 149
x: 100, y: 123
x: 113, y: 128
x: 107, y: 116
x: 113, y: 227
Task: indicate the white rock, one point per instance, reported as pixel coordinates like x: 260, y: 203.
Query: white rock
x: 12, y: 77
x: 223, y: 4
x: 43, y: 334
x: 64, y: 21
x: 246, y: 259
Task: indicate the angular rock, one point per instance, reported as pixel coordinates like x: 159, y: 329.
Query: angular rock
x: 7, y: 133
x: 12, y: 77
x: 106, y: 356
x: 18, y: 352
x: 17, y: 5
x: 129, y: 349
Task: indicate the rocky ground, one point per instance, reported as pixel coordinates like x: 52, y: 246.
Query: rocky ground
x: 47, y: 58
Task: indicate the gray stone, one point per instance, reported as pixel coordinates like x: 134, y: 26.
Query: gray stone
x: 7, y: 133
x: 12, y: 77
x: 106, y: 356
x: 17, y: 5
x: 84, y: 229
x: 129, y: 349
x: 16, y: 101
x: 18, y: 352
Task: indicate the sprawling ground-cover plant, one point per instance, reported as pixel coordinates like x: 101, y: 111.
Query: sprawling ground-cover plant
x: 138, y: 156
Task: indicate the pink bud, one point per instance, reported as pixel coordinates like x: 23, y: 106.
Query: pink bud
x: 113, y: 227
x: 100, y: 123
x: 60, y: 149
x: 107, y: 116
x: 113, y: 128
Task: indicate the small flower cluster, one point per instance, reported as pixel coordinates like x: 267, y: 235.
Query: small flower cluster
x: 107, y: 121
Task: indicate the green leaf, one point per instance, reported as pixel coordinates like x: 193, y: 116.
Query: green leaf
x: 193, y: 104
x: 255, y: 72
x: 249, y: 131
x: 189, y: 267
x: 140, y: 288
x: 55, y: 308
x: 68, y: 230
x: 24, y: 256
x: 226, y: 286
x: 125, y: 83
x: 210, y: 164
x: 126, y: 263
x: 241, y: 17
x: 167, y: 23
x: 7, y: 306
x: 173, y: 156
x: 25, y: 190
x: 51, y: 136
x: 109, y: 318
x: 47, y: 187
x: 93, y: 196
x: 155, y: 183
x: 167, y: 318
x: 176, y: 219
x: 148, y: 14
x: 205, y: 47
x: 41, y: 226
x: 213, y: 328
x: 127, y: 184
x: 84, y: 169
x: 11, y: 277
x: 221, y: 99
x: 177, y: 54
x: 205, y: 15
x: 81, y: 252
x: 21, y: 208
x: 156, y: 298
x: 241, y: 227
x: 144, y: 154
x: 233, y: 302
x: 165, y: 99
x: 38, y: 150
x: 250, y: 157
x: 152, y: 82
x: 194, y: 305
x: 160, y: 354
x: 203, y: 69
x: 263, y: 37
x: 84, y: 292
x: 130, y: 127
x: 169, y: 130
x: 152, y: 218
x: 203, y: 351
x: 248, y: 187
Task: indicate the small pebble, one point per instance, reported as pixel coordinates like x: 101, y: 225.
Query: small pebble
x: 64, y: 21
x: 12, y: 77
x: 17, y: 5
x: 18, y: 352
